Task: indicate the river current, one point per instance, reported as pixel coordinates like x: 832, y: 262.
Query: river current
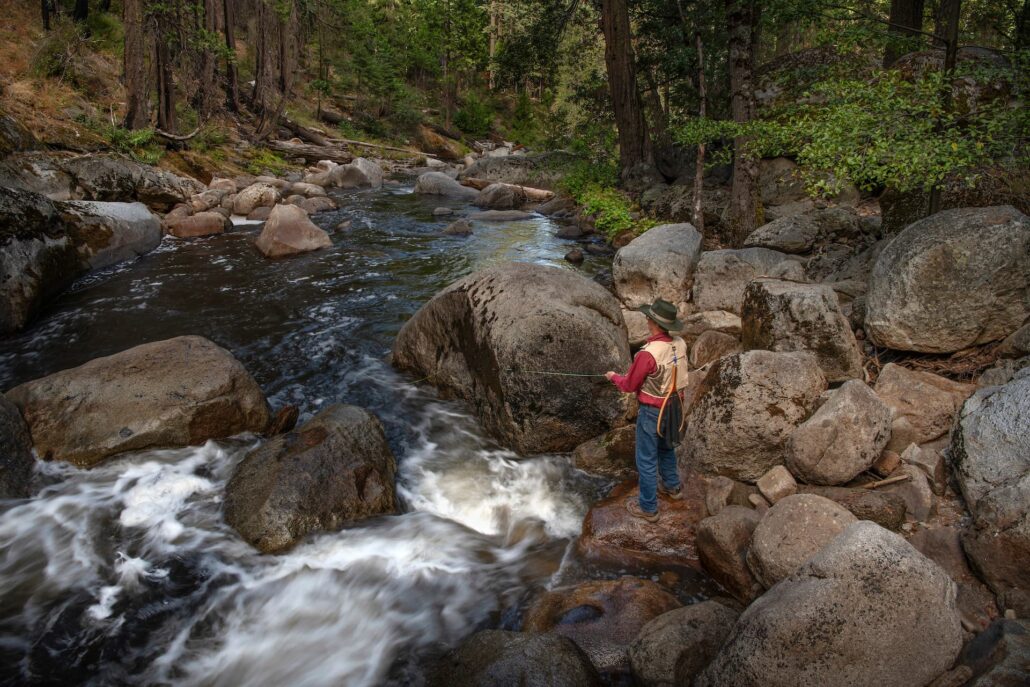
x: 127, y: 573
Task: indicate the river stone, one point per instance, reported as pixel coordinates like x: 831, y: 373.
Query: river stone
x: 109, y: 233
x: 359, y: 173
x: 636, y: 327
x: 255, y: 196
x: 843, y: 437
x: 439, y: 184
x: 501, y: 197
x: 307, y: 190
x: 870, y: 609
x: 318, y: 204
x: 176, y: 392
x: 922, y: 404
x: 693, y: 633
x: 612, y: 454
x: 990, y: 455
x: 884, y: 508
x: 222, y: 184
x: 787, y: 316
x: 916, y: 491
x: 777, y: 484
x: 696, y: 324
x: 288, y: 231
x: 491, y: 658
x: 502, y: 216
x: 200, y: 224
x: 260, y: 214
x: 791, y: 532
x: 459, y: 227
x: 485, y: 337
x: 722, y: 543
x: 602, y: 617
x: 792, y: 234
x: 746, y: 409
x: 335, y: 470
x: 611, y: 535
x: 657, y: 264
x: 721, y: 276
x: 956, y: 279
x: 117, y: 179
x: 16, y: 460
x: 38, y: 259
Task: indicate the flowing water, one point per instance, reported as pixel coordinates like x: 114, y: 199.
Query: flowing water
x: 127, y: 574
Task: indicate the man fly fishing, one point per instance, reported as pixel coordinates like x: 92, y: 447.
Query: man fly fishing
x: 657, y: 376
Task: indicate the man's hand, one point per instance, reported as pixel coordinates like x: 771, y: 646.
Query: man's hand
x: 608, y: 375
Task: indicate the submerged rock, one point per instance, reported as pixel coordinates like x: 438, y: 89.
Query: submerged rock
x: 200, y: 224
x: 657, y: 264
x: 501, y: 197
x: 501, y: 216
x: 334, y: 470
x: 486, y: 337
x: 16, y: 460
x: 439, y: 184
x: 288, y: 231
x: 177, y: 392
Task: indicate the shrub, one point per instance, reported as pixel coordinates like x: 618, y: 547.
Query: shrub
x: 475, y: 116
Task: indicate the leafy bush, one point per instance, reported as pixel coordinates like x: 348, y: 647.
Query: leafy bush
x: 592, y: 186
x: 475, y: 116
x: 263, y: 160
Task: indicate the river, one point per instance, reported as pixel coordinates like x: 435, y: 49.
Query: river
x: 127, y: 573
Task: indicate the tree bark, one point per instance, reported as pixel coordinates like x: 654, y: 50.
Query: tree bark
x: 947, y: 32
x: 635, y: 148
x: 166, y: 119
x: 207, y: 94
x: 136, y: 106
x: 81, y: 11
x: 45, y: 10
x: 232, y: 86
x: 268, y: 54
x: 697, y: 215
x: 745, y: 205
x: 906, y: 20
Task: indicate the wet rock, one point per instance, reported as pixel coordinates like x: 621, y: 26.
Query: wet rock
x: 501, y: 197
x: 543, y: 170
x: 501, y: 216
x: 442, y: 212
x: 491, y: 658
x: 557, y: 206
x: 308, y: 190
x: 16, y: 460
x: 791, y: 532
x: 335, y: 470
x: 611, y: 535
x: 953, y: 280
x: 38, y: 259
x: 177, y: 392
x: 359, y: 173
x: 777, y: 484
x: 884, y: 508
x: 439, y: 184
x: 657, y: 264
x: 922, y: 404
x: 990, y: 457
x: 602, y: 617
x: 712, y: 345
x: 721, y: 276
x: 675, y: 646
x: 110, y: 178
x: 787, y: 316
x: 999, y: 656
x: 200, y: 224
x: 461, y: 227
x: 575, y: 256
x: 288, y: 231
x: 613, y: 454
x: 871, y: 609
x: 843, y: 437
x: 747, y: 407
x: 722, y: 544
x: 570, y: 231
x: 313, y: 206
x: 255, y: 196
x: 482, y: 338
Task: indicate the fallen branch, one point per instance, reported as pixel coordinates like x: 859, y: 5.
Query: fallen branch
x: 303, y: 132
x: 174, y: 137
x: 537, y: 195
x: 312, y: 153
x: 885, y: 482
x: 347, y: 141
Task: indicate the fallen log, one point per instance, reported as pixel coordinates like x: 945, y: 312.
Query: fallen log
x: 303, y: 132
x: 175, y: 137
x: 330, y: 116
x: 312, y: 153
x: 537, y: 195
x: 885, y: 482
x: 380, y: 146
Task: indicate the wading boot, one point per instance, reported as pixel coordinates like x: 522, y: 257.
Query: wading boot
x: 633, y: 506
x: 674, y: 494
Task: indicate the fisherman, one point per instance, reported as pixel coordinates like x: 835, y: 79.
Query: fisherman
x: 657, y: 376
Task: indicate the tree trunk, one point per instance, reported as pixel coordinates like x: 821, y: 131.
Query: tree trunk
x: 266, y: 69
x: 906, y: 20
x: 1022, y: 39
x: 207, y: 94
x: 105, y: 5
x: 232, y: 86
x: 745, y: 205
x: 947, y: 32
x: 634, y: 140
x: 45, y: 9
x: 165, y: 85
x: 697, y: 215
x: 81, y: 11
x: 136, y: 106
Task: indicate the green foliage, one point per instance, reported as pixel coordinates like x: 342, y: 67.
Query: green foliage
x: 524, y: 127
x: 475, y: 116
x: 139, y: 144
x: 592, y: 186
x: 263, y: 160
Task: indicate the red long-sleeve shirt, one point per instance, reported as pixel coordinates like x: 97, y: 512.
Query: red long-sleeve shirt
x: 643, y: 366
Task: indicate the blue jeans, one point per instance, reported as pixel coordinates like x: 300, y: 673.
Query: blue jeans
x: 654, y: 457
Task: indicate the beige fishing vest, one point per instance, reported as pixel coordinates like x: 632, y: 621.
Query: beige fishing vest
x: 663, y: 352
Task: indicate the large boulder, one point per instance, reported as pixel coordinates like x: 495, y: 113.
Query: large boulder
x: 747, y: 407
x: 38, y: 259
x: 439, y: 184
x: 602, y: 617
x: 491, y: 658
x: 801, y: 233
x: 843, y: 437
x: 922, y: 404
x: 712, y: 345
x: 288, y: 231
x: 486, y: 337
x: 956, y: 279
x: 990, y: 454
x: 334, y: 470
x: 722, y: 544
x: 998, y: 656
x: 721, y: 276
x: 16, y: 460
x: 678, y: 644
x: 791, y: 532
x: 108, y: 233
x: 882, y: 507
x: 501, y: 197
x: 657, y: 264
x: 257, y: 195
x: 110, y: 178
x: 359, y: 173
x: 177, y: 392
x: 198, y: 225
x: 866, y: 611
x: 14, y: 137
x: 787, y: 316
